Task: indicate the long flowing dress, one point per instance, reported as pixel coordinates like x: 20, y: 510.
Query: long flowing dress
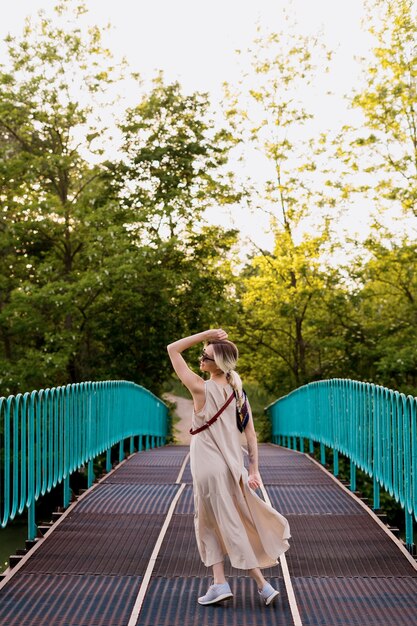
x: 229, y: 517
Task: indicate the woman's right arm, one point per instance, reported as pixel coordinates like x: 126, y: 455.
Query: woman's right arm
x: 193, y: 382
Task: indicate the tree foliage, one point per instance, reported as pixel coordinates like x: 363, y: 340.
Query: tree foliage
x: 172, y: 161
x: 281, y: 290
x: 90, y: 287
x: 105, y: 258
x: 384, y: 149
x: 384, y: 316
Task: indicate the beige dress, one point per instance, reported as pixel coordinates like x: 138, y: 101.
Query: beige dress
x: 229, y: 517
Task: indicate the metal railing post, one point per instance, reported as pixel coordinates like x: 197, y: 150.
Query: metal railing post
x: 352, y: 476
x: 335, y: 462
x: 132, y: 446
x: 377, y: 500
x: 108, y: 460
x: 32, y: 528
x: 67, y: 491
x: 90, y: 473
x: 409, y: 539
x: 322, y: 454
x: 121, y: 450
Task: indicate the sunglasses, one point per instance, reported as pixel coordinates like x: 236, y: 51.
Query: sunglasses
x: 205, y: 357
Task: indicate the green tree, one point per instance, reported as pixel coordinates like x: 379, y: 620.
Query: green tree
x: 387, y: 313
x: 173, y: 171
x: 383, y: 150
x: 108, y: 261
x: 159, y: 295
x: 173, y: 166
x: 284, y: 298
x: 381, y: 159
x: 50, y: 196
x: 280, y: 290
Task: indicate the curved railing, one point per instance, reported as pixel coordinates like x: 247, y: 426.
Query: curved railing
x: 47, y: 435
x: 373, y: 426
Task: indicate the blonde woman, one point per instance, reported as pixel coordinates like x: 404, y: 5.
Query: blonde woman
x: 229, y: 517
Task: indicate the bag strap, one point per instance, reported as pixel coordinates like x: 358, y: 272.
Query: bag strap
x: 214, y: 418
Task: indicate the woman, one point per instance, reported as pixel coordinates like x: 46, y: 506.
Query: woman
x: 229, y: 517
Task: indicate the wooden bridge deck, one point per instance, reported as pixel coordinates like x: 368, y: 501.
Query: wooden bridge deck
x: 125, y: 554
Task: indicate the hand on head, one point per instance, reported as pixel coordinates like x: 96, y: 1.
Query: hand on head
x: 216, y: 334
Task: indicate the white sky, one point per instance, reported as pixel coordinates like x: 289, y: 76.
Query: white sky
x: 194, y: 41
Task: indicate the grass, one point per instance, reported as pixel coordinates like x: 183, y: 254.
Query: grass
x: 12, y: 538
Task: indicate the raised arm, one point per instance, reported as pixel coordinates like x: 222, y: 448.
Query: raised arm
x: 193, y: 382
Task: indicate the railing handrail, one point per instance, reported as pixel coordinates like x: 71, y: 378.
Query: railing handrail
x: 375, y: 427
x: 47, y: 434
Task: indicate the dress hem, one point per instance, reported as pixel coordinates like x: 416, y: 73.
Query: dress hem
x: 246, y: 567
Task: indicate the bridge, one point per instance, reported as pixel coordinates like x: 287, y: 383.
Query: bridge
x: 124, y: 552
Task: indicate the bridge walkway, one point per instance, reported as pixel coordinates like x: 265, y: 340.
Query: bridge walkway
x: 125, y: 554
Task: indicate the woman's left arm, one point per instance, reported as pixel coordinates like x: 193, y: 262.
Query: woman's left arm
x: 254, y: 479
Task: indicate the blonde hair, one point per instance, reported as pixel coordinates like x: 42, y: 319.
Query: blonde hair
x: 226, y: 354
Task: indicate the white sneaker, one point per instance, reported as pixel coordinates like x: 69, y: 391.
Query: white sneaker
x: 216, y: 593
x: 268, y: 593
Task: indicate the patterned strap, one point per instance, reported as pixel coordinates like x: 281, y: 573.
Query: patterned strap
x: 214, y: 418
x: 242, y: 413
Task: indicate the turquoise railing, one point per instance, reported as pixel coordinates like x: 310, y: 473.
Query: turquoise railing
x: 373, y: 426
x: 47, y: 435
